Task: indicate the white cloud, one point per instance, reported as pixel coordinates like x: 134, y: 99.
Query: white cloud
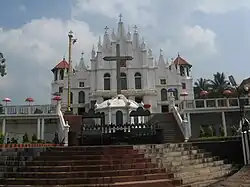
x: 22, y: 8
x: 222, y: 6
x: 35, y: 48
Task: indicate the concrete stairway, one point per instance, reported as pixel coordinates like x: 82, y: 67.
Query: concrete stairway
x: 239, y: 179
x: 195, y: 167
x: 171, y: 130
x: 119, y: 166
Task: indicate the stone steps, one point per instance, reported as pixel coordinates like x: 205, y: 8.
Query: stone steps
x: 81, y: 166
x: 194, y: 166
x: 145, y: 183
x: 65, y: 168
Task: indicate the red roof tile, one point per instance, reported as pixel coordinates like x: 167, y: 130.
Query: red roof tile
x: 61, y: 65
x: 180, y: 61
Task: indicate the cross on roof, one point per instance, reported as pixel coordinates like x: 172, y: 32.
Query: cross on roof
x: 135, y: 28
x: 106, y: 29
x: 82, y: 54
x: 120, y: 16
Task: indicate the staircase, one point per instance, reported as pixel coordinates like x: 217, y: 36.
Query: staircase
x: 119, y: 166
x: 194, y: 166
x: 241, y: 178
x: 171, y: 130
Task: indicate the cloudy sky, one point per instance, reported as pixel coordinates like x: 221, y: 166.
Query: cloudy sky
x: 213, y: 35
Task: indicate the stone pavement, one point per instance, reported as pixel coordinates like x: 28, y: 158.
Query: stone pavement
x: 239, y: 179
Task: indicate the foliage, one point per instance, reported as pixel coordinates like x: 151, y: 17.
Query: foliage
x: 202, y: 131
x: 34, y: 138
x: 206, y: 131
x: 56, y: 139
x: 14, y: 140
x: 215, y: 86
x: 233, y: 130
x: 25, y: 138
x: 222, y: 133
x: 1, y: 109
x: 2, y: 138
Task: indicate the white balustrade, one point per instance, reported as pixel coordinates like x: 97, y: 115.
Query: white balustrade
x: 29, y: 109
x: 211, y: 103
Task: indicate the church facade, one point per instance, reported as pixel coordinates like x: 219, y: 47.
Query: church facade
x: 144, y: 79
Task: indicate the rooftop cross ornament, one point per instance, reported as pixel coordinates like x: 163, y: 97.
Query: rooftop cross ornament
x: 106, y: 29
x: 135, y: 28
x: 120, y: 17
x: 118, y: 58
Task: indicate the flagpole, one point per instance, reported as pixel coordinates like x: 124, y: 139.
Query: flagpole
x: 70, y: 35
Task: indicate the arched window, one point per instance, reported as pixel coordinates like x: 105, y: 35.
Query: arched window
x: 124, y: 81
x: 137, y: 80
x: 81, y: 97
x: 119, y: 117
x: 176, y: 97
x: 61, y: 74
x: 164, y: 94
x: 71, y: 97
x: 106, y: 81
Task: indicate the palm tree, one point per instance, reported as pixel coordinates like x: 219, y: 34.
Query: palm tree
x: 199, y: 85
x: 219, y: 82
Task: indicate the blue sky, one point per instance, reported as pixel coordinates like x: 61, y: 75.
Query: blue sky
x: 213, y: 35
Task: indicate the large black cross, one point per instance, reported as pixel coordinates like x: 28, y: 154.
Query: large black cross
x: 118, y: 58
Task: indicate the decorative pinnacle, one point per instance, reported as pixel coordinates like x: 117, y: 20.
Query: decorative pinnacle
x: 70, y: 34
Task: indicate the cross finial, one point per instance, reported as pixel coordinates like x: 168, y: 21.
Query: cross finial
x: 161, y: 51
x: 106, y: 29
x: 135, y: 28
x: 120, y: 17
x: 178, y: 54
x: 82, y: 54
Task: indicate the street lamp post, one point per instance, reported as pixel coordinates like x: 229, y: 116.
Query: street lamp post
x: 244, y: 123
x: 71, y: 42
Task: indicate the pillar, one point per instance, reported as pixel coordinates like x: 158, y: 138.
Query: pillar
x: 38, y: 129
x: 109, y: 116
x: 189, y: 125
x: 224, y: 123
x: 4, y: 127
x: 42, y: 129
x: 132, y: 120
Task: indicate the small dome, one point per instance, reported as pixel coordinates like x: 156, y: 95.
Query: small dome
x: 119, y: 101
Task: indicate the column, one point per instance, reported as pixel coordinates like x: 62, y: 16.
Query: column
x: 42, y: 129
x: 110, y: 116
x: 139, y: 119
x: 132, y: 120
x: 38, y: 129
x: 224, y: 123
x: 4, y: 126
x: 189, y: 125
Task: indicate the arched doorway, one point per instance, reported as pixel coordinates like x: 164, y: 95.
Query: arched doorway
x: 119, y: 117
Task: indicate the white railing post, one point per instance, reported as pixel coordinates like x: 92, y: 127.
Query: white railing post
x: 66, y: 134
x: 186, y: 131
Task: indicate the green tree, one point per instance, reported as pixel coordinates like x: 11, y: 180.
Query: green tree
x: 218, y: 84
x: 199, y: 85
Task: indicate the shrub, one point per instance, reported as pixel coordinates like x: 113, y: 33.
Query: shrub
x: 26, y: 138
x: 2, y: 138
x: 202, y: 131
x: 14, y: 140
x: 222, y: 131
x: 34, y: 138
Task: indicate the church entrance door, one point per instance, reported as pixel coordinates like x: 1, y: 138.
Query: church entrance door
x: 119, y: 118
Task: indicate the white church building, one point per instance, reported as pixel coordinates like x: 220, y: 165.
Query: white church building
x: 144, y: 79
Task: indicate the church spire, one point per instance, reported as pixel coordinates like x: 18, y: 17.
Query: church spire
x: 106, y: 39
x: 120, y: 31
